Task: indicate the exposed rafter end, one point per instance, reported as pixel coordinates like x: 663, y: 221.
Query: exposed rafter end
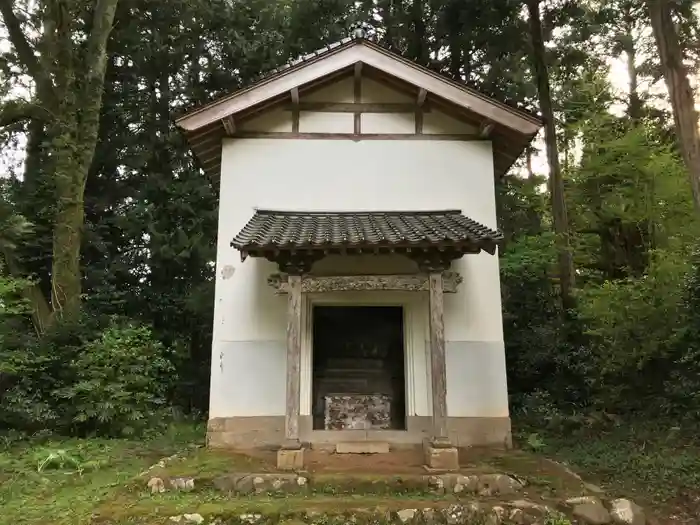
x: 422, y: 94
x: 229, y: 125
x: 486, y: 128
x: 294, y: 93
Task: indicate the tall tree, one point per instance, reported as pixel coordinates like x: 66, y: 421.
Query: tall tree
x: 681, y: 94
x: 67, y: 65
x: 556, y: 182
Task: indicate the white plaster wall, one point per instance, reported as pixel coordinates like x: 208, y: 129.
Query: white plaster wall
x: 341, y: 91
x: 248, y: 356
x: 275, y: 121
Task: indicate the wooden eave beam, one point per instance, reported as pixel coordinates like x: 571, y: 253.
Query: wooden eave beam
x: 229, y: 125
x: 422, y: 94
x: 358, y: 107
x: 486, y: 128
x: 294, y: 94
x: 358, y: 71
x: 371, y: 56
x: 357, y: 97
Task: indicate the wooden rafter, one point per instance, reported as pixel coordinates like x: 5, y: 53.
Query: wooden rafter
x: 357, y: 96
x: 294, y: 94
x: 356, y: 107
x: 229, y: 125
x: 485, y: 129
x: 422, y: 94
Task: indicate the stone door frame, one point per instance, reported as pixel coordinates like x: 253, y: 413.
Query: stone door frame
x: 414, y: 308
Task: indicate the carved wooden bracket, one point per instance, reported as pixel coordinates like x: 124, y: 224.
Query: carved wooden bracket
x: 362, y: 283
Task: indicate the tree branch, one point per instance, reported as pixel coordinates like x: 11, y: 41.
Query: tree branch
x: 24, y: 50
x: 95, y: 66
x: 96, y: 57
x: 15, y: 111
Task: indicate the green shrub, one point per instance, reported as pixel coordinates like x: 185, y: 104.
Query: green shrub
x: 29, y: 369
x: 121, y: 380
x: 80, y: 378
x: 540, y: 344
x: 632, y: 326
x: 683, y: 387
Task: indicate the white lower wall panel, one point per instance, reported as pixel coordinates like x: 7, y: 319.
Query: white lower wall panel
x: 476, y: 379
x: 248, y: 379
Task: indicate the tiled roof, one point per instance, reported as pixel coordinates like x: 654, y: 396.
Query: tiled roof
x: 288, y: 230
x: 370, y: 37
x: 363, y: 36
x: 508, y: 143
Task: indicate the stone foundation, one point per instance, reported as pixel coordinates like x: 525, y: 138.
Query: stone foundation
x: 268, y: 431
x: 440, y: 459
x: 290, y: 459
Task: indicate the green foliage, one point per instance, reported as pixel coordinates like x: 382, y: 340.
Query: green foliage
x: 12, y: 302
x: 66, y: 460
x: 34, y: 369
x: 683, y: 386
x: 50, y: 480
x: 80, y: 379
x: 121, y: 380
x: 150, y: 215
x: 556, y: 518
x: 541, y: 346
x: 659, y: 462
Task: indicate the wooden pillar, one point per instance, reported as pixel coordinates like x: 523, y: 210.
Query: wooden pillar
x: 291, y: 419
x: 437, y: 359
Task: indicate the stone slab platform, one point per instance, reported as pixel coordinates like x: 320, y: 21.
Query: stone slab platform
x: 362, y: 447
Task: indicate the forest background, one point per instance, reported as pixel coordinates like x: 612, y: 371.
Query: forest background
x: 107, y: 226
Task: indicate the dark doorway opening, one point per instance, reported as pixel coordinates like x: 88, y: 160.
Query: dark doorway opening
x: 358, y: 378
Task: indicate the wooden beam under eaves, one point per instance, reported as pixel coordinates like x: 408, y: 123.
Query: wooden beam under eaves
x: 485, y: 129
x: 357, y: 97
x: 294, y: 94
x: 420, y: 109
x: 422, y: 94
x: 229, y: 125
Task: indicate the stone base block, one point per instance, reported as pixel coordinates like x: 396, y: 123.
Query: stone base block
x: 268, y: 432
x: 440, y: 459
x: 290, y: 459
x: 362, y: 447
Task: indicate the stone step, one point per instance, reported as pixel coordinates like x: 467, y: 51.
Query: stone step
x: 362, y: 447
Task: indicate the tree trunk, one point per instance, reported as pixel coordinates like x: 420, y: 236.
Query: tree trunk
x: 528, y: 163
x: 454, y: 39
x: 556, y: 183
x: 681, y: 94
x: 69, y: 175
x: 69, y: 79
x: 385, y: 8
x: 634, y: 107
x: 418, y: 49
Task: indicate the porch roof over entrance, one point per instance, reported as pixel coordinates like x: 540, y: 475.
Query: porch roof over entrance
x: 269, y: 232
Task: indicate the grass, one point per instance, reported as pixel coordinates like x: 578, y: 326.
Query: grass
x: 656, y: 464
x: 78, y: 476
x: 71, y: 481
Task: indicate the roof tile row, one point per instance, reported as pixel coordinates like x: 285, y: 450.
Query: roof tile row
x: 318, y: 230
